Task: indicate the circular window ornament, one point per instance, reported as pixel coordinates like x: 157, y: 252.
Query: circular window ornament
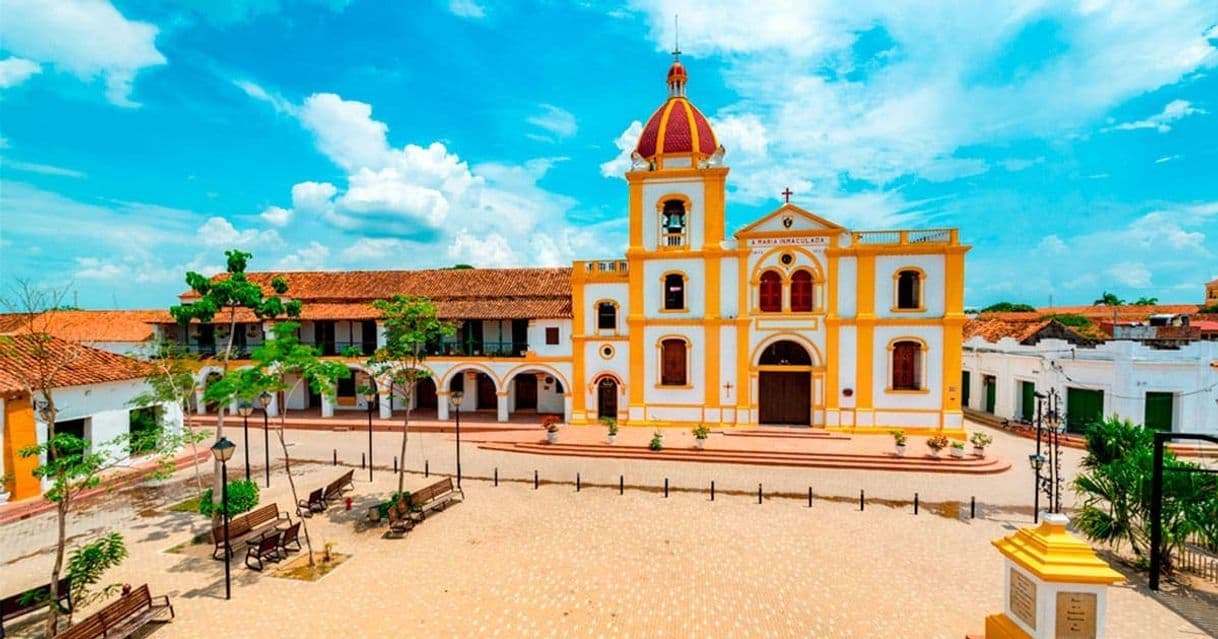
x: 607, y: 351
x: 787, y: 259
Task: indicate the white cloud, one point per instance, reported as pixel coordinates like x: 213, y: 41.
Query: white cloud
x: 1132, y: 274
x: 1051, y: 245
x: 276, y: 216
x: 310, y: 258
x: 555, y: 120
x: 466, y: 9
x: 1161, y: 122
x: 280, y: 103
x: 313, y: 198
x: 87, y: 38
x: 92, y: 268
x: 345, y: 131
x: 1168, y: 158
x: 218, y: 232
x: 374, y: 250
x: 625, y: 144
x: 14, y: 71
x: 44, y: 169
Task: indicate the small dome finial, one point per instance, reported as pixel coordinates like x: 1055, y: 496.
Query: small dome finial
x: 676, y: 73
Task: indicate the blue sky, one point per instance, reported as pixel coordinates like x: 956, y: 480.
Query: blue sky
x: 1074, y: 144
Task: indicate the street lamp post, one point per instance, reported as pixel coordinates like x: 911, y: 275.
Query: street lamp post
x: 1047, y: 423
x: 265, y: 400
x: 456, y: 398
x: 223, y: 451
x: 245, y: 409
x: 369, y: 397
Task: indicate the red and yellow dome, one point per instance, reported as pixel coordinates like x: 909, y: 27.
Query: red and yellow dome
x: 678, y: 127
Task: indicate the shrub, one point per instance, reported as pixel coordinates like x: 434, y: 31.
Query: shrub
x: 87, y: 563
x: 937, y: 443
x: 384, y: 506
x: 611, y: 424
x: 550, y: 423
x: 981, y: 440
x: 1071, y: 320
x: 242, y: 497
x: 958, y: 445
x: 701, y: 431
x: 898, y: 436
x: 657, y: 441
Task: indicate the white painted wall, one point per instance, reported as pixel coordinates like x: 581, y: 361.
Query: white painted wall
x: 537, y: 338
x: 933, y: 289
x: 1124, y: 370
x: 695, y: 287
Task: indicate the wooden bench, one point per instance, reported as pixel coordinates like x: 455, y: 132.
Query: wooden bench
x: 316, y: 503
x: 34, y: 599
x: 263, y: 548
x: 251, y: 525
x: 336, y: 488
x: 437, y: 496
x: 123, y: 617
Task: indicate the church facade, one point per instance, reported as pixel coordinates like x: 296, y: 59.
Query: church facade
x: 791, y: 320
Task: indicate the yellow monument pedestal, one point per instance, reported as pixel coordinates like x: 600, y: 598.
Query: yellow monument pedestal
x: 1056, y: 587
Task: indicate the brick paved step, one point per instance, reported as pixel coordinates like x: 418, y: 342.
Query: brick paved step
x: 988, y: 465
x: 784, y: 434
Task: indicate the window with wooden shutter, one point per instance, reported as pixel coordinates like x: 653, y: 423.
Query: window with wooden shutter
x: 674, y: 292
x: 801, y: 292
x: 672, y: 363
x: 770, y: 292
x: 551, y: 335
x: 906, y: 365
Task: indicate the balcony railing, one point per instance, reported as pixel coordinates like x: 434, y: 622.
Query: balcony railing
x: 479, y: 349
x: 944, y: 237
x: 605, y: 270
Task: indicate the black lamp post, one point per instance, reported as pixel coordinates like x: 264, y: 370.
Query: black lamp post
x: 1048, y: 421
x: 245, y: 409
x: 265, y: 400
x: 223, y: 451
x: 369, y: 397
x: 456, y: 397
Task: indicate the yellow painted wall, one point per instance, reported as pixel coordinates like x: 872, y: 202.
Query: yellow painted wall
x: 19, y: 432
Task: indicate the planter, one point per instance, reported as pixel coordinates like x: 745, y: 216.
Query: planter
x: 3, y: 498
x: 935, y: 453
x: 612, y: 439
x: 901, y: 450
x: 958, y: 453
x: 552, y: 437
x: 699, y: 443
x: 979, y: 451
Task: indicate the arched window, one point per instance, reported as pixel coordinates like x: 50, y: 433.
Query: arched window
x: 785, y: 353
x: 907, y: 366
x: 673, y: 363
x: 801, y: 292
x: 672, y: 223
x: 909, y: 290
x: 674, y: 292
x: 606, y: 316
x: 770, y: 292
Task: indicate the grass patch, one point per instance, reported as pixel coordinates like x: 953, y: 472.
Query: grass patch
x: 299, y: 567
x: 189, y: 506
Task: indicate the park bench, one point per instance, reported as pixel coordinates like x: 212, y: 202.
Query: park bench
x: 291, y: 535
x: 437, y: 496
x: 122, y: 617
x: 251, y: 525
x: 34, y: 599
x: 263, y: 548
x: 316, y: 503
x: 335, y: 489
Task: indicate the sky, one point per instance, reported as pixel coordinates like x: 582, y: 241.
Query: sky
x: 1074, y: 144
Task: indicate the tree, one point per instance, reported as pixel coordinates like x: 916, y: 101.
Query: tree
x: 86, y: 565
x: 1146, y: 301
x: 171, y: 380
x: 410, y: 325
x: 1109, y: 299
x: 224, y: 296
x: 278, y: 357
x: 1008, y: 307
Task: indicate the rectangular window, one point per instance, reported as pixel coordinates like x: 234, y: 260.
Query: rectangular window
x: 672, y: 363
x: 1159, y: 411
x: 346, y: 387
x: 552, y: 335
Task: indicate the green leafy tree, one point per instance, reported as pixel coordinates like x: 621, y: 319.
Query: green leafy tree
x: 1146, y: 301
x: 88, y: 563
x: 1115, y: 488
x: 277, y: 358
x: 170, y: 379
x: 410, y: 323
x: 1072, y: 320
x: 1212, y: 309
x: 224, y: 297
x: 1008, y: 307
x: 1109, y: 299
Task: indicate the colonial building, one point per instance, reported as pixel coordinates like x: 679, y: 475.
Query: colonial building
x: 792, y: 319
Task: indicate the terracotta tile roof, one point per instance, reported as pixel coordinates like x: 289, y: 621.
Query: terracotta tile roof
x: 81, y: 364
x: 1023, y: 327
x: 1124, y: 313
x: 92, y: 326
x: 505, y: 293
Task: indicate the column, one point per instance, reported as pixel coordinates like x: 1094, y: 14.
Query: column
x: 384, y: 407
x: 200, y: 405
x: 502, y: 405
x: 567, y: 406
x: 327, y: 406
x: 442, y: 405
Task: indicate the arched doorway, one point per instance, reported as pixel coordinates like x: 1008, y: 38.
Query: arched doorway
x: 535, y: 390
x: 606, y: 398
x: 425, y: 393
x: 784, y: 384
x: 482, y: 389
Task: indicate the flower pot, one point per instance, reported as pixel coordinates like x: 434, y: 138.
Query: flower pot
x: 3, y: 498
x: 979, y: 451
x: 699, y: 443
x: 958, y: 453
x: 552, y: 437
x: 612, y: 439
x: 900, y: 450
x: 935, y: 453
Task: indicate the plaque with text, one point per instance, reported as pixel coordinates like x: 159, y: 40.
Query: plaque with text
x: 1076, y: 615
x: 1023, y: 599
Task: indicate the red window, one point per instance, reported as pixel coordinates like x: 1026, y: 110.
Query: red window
x: 801, y: 292
x: 551, y: 335
x: 771, y: 292
x: 672, y: 363
x: 906, y: 365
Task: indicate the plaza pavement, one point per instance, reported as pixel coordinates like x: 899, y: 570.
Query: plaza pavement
x: 517, y: 562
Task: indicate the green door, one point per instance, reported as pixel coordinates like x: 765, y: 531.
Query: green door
x: 991, y: 393
x: 1158, y: 411
x: 1027, y: 401
x: 965, y: 385
x: 1083, y: 407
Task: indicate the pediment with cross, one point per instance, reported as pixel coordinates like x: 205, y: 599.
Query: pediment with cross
x: 789, y: 219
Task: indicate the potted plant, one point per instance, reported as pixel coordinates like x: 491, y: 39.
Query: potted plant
x: 4, y: 491
x: 550, y: 423
x: 958, y: 450
x: 657, y: 441
x: 701, y: 432
x: 611, y: 424
x: 898, y: 438
x: 980, y: 440
x: 936, y: 445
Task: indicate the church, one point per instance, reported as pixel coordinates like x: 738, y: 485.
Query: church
x: 790, y: 320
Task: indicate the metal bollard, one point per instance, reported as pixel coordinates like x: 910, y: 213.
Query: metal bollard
x: 496, y: 476
x: 915, y: 503
x: 862, y: 505
x: 665, y: 488
x: 712, y: 490
x: 363, y: 460
x: 621, y: 484
x: 809, y: 496
x: 535, y: 481
x: 577, y: 482
x: 426, y: 468
x: 335, y: 456
x: 395, y: 464
x: 759, y: 493
x: 972, y: 507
